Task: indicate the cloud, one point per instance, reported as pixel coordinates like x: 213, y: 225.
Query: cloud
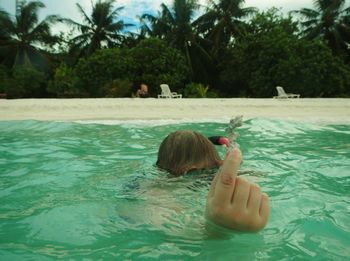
x: 134, y: 8
x: 286, y: 5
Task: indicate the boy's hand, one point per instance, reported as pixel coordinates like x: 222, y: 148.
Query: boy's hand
x: 234, y: 202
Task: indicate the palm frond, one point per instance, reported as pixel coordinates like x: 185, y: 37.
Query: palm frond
x: 28, y: 16
x: 248, y: 11
x: 75, y: 24
x: 310, y: 23
x: 85, y: 16
x: 81, y: 38
x: 7, y: 27
x: 204, y: 23
x: 115, y: 12
x: 344, y: 30
x: 307, y: 13
x: 166, y: 14
x: 42, y: 30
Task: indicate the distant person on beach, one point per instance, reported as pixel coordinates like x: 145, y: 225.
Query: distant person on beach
x: 232, y: 201
x: 142, y: 92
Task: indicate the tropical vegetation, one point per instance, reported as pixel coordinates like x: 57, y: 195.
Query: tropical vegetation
x: 21, y: 36
x: 329, y: 21
x: 101, y: 29
x: 223, y: 50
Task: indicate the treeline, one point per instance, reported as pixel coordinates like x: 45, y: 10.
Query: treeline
x: 228, y: 51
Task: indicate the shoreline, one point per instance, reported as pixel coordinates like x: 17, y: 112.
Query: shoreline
x: 328, y: 110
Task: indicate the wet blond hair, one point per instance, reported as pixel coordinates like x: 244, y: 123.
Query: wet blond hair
x: 185, y: 150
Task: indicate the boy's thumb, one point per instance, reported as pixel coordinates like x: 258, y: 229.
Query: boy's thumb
x: 230, y: 166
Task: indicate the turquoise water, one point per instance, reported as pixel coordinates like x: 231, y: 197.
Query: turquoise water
x: 91, y: 191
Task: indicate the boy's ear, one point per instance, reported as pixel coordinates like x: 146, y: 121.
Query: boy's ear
x: 188, y: 168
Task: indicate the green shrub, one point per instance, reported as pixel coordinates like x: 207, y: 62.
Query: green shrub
x: 101, y: 68
x: 213, y: 94
x: 195, y: 90
x: 65, y: 83
x: 3, y: 79
x: 268, y: 56
x: 118, y: 88
x: 26, y: 82
x: 155, y: 62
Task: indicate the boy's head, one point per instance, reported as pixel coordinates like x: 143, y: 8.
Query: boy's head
x: 186, y: 150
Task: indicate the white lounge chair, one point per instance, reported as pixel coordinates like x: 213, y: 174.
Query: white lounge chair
x: 283, y: 95
x: 166, y: 93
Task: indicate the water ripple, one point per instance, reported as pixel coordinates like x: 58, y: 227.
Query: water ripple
x: 76, y: 191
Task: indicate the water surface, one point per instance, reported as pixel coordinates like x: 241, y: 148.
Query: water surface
x: 75, y: 191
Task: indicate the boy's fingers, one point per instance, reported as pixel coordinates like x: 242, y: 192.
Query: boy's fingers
x: 227, y: 176
x: 232, y: 162
x: 241, y: 194
x: 213, y: 184
x: 255, y: 196
x: 264, y: 208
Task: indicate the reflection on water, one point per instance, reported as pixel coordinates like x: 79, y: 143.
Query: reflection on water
x: 77, y: 191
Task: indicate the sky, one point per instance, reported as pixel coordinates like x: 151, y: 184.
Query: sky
x: 134, y: 8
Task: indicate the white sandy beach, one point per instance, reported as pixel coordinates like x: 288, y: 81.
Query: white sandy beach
x: 110, y: 109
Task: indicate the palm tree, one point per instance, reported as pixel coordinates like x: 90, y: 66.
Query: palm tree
x: 223, y: 21
x: 329, y: 21
x: 4, y: 36
x: 22, y: 38
x: 156, y: 26
x: 175, y: 25
x: 101, y: 29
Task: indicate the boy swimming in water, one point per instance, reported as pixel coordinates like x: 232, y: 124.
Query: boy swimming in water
x: 232, y: 201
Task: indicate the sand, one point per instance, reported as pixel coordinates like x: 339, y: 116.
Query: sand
x: 114, y: 110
